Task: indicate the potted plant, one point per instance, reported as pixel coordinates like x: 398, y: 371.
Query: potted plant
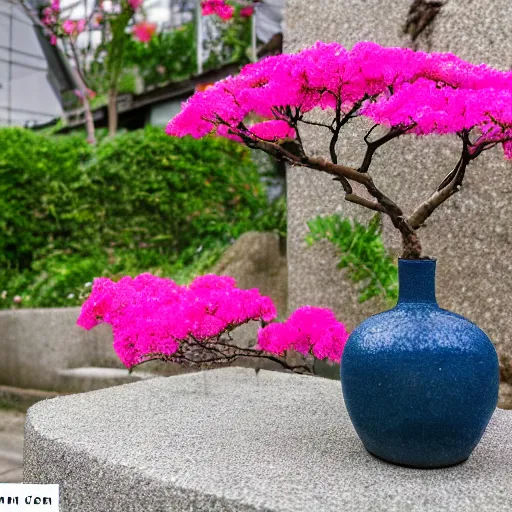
x: 420, y: 383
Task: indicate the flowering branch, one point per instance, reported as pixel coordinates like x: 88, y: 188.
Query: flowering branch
x: 155, y: 319
x: 115, y: 21
x: 403, y: 91
x: 56, y: 28
x: 219, y: 352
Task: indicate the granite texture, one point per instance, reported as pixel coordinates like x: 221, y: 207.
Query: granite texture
x: 228, y: 440
x: 471, y: 234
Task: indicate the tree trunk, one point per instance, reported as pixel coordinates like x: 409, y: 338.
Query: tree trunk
x: 411, y: 246
x: 112, y: 112
x: 89, y: 121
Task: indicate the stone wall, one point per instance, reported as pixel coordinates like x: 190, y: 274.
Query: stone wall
x: 37, y: 343
x: 471, y: 234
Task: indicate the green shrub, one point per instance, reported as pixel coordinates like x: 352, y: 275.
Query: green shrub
x: 38, y: 177
x: 362, y: 253
x: 139, y: 202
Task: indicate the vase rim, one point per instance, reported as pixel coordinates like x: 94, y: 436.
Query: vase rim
x: 425, y: 260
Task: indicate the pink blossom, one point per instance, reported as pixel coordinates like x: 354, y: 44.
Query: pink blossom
x: 80, y: 26
x: 144, y: 31
x: 310, y: 331
x: 17, y: 299
x: 153, y: 316
x: 73, y: 28
x: 49, y: 17
x: 212, y: 282
x: 53, y: 39
x: 246, y: 12
x: 135, y: 4
x: 69, y: 27
x: 272, y: 130
x: 507, y: 148
x: 55, y: 5
x: 218, y: 7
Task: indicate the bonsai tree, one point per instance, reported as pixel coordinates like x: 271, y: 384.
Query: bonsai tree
x: 153, y: 318
x: 401, y: 92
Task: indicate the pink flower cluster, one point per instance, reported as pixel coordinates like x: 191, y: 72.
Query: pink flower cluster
x: 246, y: 12
x: 51, y: 20
x: 152, y: 315
x: 219, y: 7
x: 433, y: 93
x: 144, y: 31
x: 135, y: 4
x: 73, y: 28
x: 309, y: 330
x: 50, y: 14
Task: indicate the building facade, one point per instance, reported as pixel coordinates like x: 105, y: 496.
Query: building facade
x: 32, y: 74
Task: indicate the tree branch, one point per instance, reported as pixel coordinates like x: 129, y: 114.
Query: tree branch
x: 208, y: 354
x: 449, y: 186
x: 339, y: 122
x: 344, y: 174
x: 372, y: 205
x: 313, y: 123
x: 376, y: 144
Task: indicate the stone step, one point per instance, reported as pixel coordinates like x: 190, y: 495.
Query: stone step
x: 14, y: 475
x: 11, y: 445
x: 79, y: 380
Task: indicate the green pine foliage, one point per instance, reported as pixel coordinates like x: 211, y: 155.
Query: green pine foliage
x: 362, y: 254
x: 140, y: 202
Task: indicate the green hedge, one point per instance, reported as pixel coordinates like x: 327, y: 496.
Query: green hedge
x: 139, y: 202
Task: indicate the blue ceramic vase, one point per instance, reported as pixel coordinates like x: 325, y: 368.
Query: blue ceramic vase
x: 420, y: 383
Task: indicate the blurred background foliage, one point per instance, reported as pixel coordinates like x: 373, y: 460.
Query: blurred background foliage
x: 170, y: 56
x: 139, y: 202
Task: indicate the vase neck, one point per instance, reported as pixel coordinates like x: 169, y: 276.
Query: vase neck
x: 417, y: 281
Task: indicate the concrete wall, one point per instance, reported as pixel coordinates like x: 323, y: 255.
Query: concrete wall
x: 44, y: 349
x: 471, y: 235
x: 36, y: 344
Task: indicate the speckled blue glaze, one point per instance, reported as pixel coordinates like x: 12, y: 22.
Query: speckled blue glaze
x: 420, y: 383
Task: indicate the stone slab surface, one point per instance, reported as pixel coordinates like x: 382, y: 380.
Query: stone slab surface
x: 11, y: 446
x: 228, y: 440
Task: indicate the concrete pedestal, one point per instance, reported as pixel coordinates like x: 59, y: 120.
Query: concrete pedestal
x: 228, y: 440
